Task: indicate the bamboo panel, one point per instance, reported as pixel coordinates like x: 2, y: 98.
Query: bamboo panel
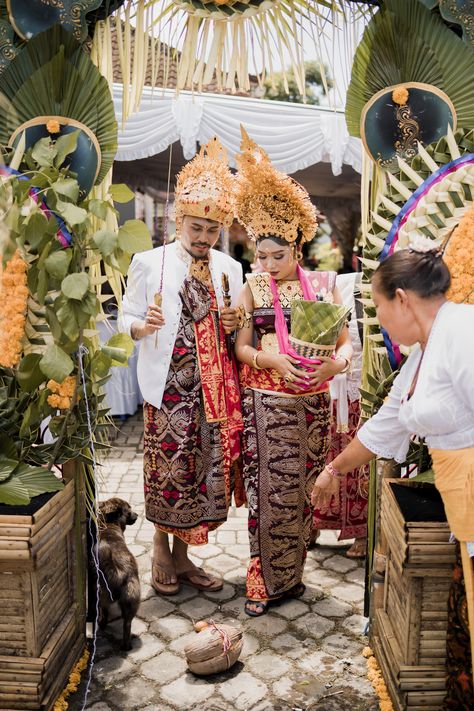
x: 410, y: 638
x: 398, y: 698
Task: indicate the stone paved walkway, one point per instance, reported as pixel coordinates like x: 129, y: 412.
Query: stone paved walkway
x: 301, y: 656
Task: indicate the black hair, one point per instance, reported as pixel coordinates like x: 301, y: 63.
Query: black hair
x: 279, y: 240
x: 425, y: 273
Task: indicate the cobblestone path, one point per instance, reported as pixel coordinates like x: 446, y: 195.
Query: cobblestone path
x: 304, y: 655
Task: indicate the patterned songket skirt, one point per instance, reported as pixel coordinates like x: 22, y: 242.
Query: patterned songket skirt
x: 351, y: 517
x: 285, y: 446
x: 187, y: 491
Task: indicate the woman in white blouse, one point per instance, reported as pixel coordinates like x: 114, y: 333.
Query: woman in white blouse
x: 432, y: 397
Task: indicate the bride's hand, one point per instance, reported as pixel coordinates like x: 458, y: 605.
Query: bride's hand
x: 286, y: 366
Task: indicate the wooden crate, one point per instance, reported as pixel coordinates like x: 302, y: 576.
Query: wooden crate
x: 409, y: 624
x: 42, y: 624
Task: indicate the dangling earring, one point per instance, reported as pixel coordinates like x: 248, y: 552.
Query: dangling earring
x: 299, y: 255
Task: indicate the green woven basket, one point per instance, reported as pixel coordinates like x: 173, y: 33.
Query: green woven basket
x: 315, y: 327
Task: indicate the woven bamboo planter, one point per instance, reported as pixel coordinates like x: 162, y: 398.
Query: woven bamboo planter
x: 409, y: 630
x: 42, y: 624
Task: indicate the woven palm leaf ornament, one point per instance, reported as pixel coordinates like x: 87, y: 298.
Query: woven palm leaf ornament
x: 428, y: 198
x: 222, y: 43
x: 411, y: 79
x: 52, y: 88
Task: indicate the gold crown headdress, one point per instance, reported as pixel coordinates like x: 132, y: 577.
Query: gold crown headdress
x: 268, y: 202
x: 205, y: 186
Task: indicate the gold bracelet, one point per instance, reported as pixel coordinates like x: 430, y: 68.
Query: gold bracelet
x: 254, y: 361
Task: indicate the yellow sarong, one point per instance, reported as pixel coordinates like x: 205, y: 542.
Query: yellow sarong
x: 454, y: 479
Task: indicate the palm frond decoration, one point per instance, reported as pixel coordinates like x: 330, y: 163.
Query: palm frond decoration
x: 457, y: 12
x: 222, y: 42
x: 404, y: 42
x: 54, y: 78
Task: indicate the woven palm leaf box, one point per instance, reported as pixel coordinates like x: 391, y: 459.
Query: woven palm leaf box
x: 409, y: 626
x: 41, y: 627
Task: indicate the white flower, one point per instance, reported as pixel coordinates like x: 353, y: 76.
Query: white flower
x: 419, y: 243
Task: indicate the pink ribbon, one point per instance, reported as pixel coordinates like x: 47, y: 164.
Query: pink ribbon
x: 226, y: 643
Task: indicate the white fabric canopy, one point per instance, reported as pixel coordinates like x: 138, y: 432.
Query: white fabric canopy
x: 295, y: 136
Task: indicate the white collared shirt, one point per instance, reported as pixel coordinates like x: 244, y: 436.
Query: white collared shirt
x: 143, y: 282
x: 441, y: 408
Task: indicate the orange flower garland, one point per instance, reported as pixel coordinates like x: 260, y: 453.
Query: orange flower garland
x: 374, y: 675
x: 73, y: 682
x: 61, y: 393
x: 459, y: 258
x: 13, y: 306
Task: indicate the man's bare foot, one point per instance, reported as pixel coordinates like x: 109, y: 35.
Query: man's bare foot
x: 189, y: 573
x: 163, y: 571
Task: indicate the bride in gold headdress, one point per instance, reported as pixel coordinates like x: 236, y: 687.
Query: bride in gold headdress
x: 286, y: 407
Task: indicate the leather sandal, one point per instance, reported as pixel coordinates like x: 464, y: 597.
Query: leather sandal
x: 358, y: 549
x: 261, y: 605
x: 199, y: 579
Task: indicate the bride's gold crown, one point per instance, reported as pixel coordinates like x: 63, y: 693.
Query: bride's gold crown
x: 268, y: 202
x: 205, y: 186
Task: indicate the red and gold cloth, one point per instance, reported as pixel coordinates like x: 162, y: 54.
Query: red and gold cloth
x: 191, y: 444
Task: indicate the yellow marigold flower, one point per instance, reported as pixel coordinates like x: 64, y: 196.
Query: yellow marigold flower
x: 54, y: 400
x: 459, y: 260
x: 400, y: 95
x: 13, y: 306
x: 53, y: 126
x: 367, y: 652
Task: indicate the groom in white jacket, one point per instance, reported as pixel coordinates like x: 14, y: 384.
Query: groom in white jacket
x: 191, y: 400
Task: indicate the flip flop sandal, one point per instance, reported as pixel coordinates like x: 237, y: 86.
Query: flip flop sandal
x: 296, y: 591
x: 357, y: 550
x: 193, y: 577
x: 163, y: 588
x: 261, y: 605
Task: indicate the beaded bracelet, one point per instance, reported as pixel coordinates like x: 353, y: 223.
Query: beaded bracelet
x: 331, y: 469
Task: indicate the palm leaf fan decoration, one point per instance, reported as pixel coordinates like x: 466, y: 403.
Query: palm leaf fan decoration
x: 53, y: 78
x: 223, y: 42
x: 405, y: 43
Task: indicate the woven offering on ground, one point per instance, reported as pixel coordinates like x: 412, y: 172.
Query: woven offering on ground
x: 215, y: 649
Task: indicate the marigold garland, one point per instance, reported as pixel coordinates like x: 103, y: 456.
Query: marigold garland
x: 73, y: 682
x: 13, y: 307
x: 459, y: 259
x: 374, y: 675
x: 61, y: 393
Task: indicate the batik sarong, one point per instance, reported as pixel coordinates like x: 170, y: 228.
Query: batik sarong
x: 459, y: 685
x: 285, y: 446
x: 351, y: 518
x: 190, y: 443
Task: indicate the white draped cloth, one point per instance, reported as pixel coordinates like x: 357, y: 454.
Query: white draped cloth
x: 122, y: 394
x: 295, y: 136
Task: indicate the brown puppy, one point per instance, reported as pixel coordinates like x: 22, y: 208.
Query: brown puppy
x: 118, y: 566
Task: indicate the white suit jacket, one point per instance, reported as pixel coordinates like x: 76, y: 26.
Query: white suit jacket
x: 143, y: 282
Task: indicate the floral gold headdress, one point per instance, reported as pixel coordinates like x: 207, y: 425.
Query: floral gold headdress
x: 205, y: 187
x: 268, y: 202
